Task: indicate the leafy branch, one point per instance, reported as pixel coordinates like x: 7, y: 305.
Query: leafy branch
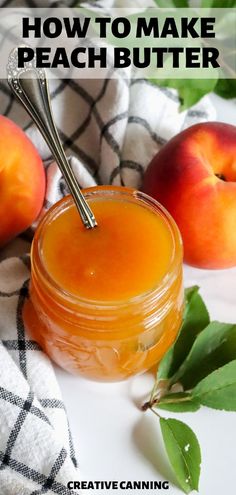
x: 199, y: 369
x: 192, y: 90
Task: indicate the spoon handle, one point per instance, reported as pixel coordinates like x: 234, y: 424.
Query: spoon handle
x: 30, y: 86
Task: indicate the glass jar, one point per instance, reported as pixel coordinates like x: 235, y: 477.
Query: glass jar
x: 105, y: 340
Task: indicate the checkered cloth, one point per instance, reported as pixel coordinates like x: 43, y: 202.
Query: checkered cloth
x: 111, y: 129
x: 36, y: 450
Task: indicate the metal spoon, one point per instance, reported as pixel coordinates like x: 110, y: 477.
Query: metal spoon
x: 30, y: 86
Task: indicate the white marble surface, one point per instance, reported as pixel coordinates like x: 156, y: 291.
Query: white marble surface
x: 116, y: 441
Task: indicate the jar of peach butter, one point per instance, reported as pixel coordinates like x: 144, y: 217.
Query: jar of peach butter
x: 107, y: 302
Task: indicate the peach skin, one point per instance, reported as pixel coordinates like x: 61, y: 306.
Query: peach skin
x: 22, y: 181
x: 194, y: 177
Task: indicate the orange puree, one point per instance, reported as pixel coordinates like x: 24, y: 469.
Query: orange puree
x: 127, y: 254
x: 106, y: 302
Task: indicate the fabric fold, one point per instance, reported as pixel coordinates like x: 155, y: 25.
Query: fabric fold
x: 36, y: 448
x: 110, y: 129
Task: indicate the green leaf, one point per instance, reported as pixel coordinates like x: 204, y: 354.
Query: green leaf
x: 218, y: 4
x: 226, y: 88
x: 178, y: 402
x: 172, y: 3
x: 189, y: 292
x: 190, y: 90
x: 213, y: 347
x: 196, y: 318
x: 184, y: 453
x: 218, y: 390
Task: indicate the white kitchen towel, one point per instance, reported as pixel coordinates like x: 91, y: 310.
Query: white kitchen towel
x: 111, y: 129
x: 36, y: 449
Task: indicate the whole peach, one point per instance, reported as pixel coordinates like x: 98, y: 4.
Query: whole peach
x: 194, y: 177
x: 22, y: 181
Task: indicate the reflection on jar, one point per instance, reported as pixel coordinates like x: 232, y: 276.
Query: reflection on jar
x: 134, y: 318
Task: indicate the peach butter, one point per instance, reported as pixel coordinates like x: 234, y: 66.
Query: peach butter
x: 106, y: 302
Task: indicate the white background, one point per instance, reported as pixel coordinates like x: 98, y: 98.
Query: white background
x: 116, y: 441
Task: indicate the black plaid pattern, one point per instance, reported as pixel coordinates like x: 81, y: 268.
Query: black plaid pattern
x: 38, y: 478
x: 111, y: 129
x: 16, y: 429
x: 16, y: 400
x: 28, y: 345
x: 23, y: 294
x: 48, y: 484
x: 29, y: 409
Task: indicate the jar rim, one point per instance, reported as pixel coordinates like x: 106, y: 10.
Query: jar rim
x: 151, y: 294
